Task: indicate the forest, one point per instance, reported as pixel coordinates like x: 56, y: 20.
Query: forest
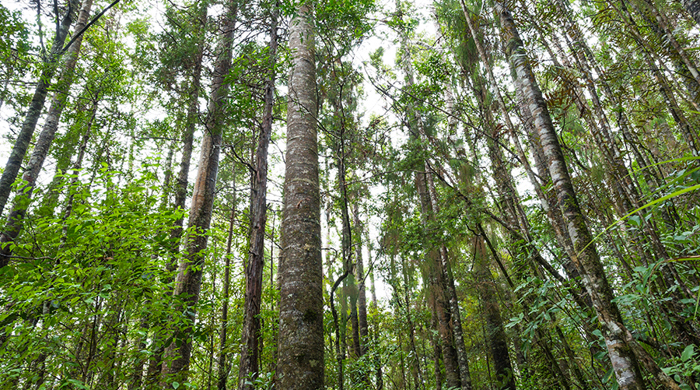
x: 350, y: 194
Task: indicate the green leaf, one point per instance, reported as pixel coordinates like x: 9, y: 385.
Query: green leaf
x: 635, y: 220
x: 176, y: 385
x: 688, y: 353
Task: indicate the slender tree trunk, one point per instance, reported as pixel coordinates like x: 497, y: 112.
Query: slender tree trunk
x: 189, y: 280
x: 248, y: 368
x: 438, y: 290
x: 451, y: 293
x: 495, y: 333
x: 182, y: 181
x: 188, y: 131
x: 416, y: 372
x: 15, y: 219
x: 210, y: 365
x: 354, y: 317
x: 19, y: 150
x: 361, y: 277
x: 223, y: 366
x: 168, y: 175
x: 339, y: 334
x: 300, y: 361
x: 374, y: 309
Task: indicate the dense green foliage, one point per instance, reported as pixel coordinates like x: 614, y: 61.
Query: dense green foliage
x: 414, y: 110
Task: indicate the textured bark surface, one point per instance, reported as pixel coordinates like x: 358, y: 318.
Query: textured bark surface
x: 188, y: 131
x: 451, y: 296
x: 361, y: 278
x: 182, y: 181
x: 693, y: 8
x: 495, y: 333
x: 300, y: 363
x: 248, y: 367
x: 416, y: 371
x: 223, y: 365
x: 189, y: 280
x: 622, y: 348
x: 41, y: 149
x: 438, y: 286
x: 626, y: 196
x: 379, y: 376
x: 553, y: 214
x: 19, y: 150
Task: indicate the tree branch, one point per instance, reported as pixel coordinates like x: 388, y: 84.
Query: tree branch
x: 81, y: 32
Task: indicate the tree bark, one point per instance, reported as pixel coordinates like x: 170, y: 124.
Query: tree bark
x: 360, y: 272
x: 374, y: 309
x: 451, y: 295
x: 496, y: 335
x: 188, y: 131
x: 189, y: 281
x: 182, y: 181
x: 433, y: 258
x: 248, y: 368
x: 223, y: 366
x: 300, y: 361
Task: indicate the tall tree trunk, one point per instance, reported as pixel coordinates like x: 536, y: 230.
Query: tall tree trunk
x: 495, y: 333
x: 300, y: 362
x: 451, y: 295
x: 689, y: 135
x: 188, y: 131
x: 189, y: 281
x: 223, y: 366
x: 416, y: 372
x: 361, y: 277
x: 433, y: 257
x: 182, y: 181
x: 15, y: 219
x: 623, y: 350
x: 19, y: 150
x: 438, y: 287
x: 248, y: 368
x: 621, y: 179
x: 374, y: 309
x: 553, y: 213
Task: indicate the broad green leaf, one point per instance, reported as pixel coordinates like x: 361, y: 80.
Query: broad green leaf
x: 688, y: 353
